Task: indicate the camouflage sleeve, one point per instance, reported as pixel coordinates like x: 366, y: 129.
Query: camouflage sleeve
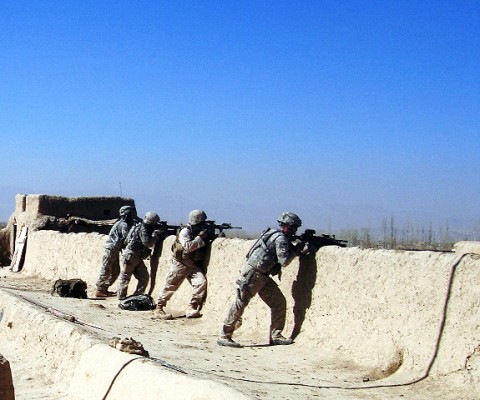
x: 190, y: 244
x: 115, y: 236
x: 147, y: 239
x: 284, y: 251
x: 124, y: 229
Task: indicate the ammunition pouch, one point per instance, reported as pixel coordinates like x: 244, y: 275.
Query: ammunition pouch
x: 145, y: 253
x: 177, y: 251
x: 197, y: 255
x: 140, y: 253
x: 179, y: 254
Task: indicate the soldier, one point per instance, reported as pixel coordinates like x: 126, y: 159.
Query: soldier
x: 140, y: 239
x: 188, y: 255
x: 272, y: 251
x: 115, y: 243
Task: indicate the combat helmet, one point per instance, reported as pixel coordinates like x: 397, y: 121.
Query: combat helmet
x: 197, y: 217
x: 151, y: 218
x: 124, y: 210
x: 290, y: 219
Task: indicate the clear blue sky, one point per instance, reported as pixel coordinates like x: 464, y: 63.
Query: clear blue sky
x: 345, y: 112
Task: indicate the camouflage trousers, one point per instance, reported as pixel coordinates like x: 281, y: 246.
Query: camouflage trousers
x: 109, y: 270
x: 132, y: 265
x: 250, y: 283
x: 176, y: 275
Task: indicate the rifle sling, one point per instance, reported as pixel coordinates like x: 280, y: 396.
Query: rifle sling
x: 262, y: 242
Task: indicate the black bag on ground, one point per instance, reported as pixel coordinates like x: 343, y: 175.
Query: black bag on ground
x: 70, y: 288
x: 138, y: 302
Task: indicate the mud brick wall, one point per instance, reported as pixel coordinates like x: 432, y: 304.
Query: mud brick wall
x: 95, y: 208
x: 380, y: 308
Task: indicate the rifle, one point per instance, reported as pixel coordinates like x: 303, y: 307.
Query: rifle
x: 211, y: 229
x: 167, y: 230
x: 315, y: 242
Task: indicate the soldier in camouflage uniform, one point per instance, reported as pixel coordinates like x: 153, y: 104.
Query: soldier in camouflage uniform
x: 272, y: 251
x: 188, y: 255
x: 110, y: 268
x: 140, y: 239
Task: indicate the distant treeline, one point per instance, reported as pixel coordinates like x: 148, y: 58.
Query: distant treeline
x: 409, y: 237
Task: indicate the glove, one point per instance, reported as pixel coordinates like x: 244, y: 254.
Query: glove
x: 302, y: 248
x: 307, y: 249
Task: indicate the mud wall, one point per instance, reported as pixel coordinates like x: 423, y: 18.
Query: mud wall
x: 4, y: 247
x: 38, y: 211
x: 393, y: 311
x: 95, y: 208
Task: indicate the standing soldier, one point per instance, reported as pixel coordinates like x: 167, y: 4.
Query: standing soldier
x: 113, y: 246
x: 189, y: 252
x: 140, y: 239
x: 272, y: 251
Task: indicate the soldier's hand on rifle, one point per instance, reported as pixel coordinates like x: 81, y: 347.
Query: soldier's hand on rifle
x: 203, y: 234
x: 308, y: 249
x: 159, y: 233
x: 301, y: 247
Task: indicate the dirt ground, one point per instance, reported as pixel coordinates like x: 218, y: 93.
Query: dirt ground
x: 258, y: 370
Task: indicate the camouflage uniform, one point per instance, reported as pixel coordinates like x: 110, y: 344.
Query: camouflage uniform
x: 272, y: 251
x: 111, y: 258
x: 187, y: 258
x: 139, y: 241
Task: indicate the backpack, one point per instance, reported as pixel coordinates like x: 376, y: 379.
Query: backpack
x: 137, y: 302
x: 70, y: 288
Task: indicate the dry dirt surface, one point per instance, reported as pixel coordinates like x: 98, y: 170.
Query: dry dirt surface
x: 182, y: 347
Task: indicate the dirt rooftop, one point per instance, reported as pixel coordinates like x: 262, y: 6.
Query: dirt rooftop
x: 258, y: 370
x: 368, y: 324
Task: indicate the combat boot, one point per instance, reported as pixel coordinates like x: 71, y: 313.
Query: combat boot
x: 193, y: 311
x: 101, y: 293
x: 227, y: 341
x: 160, y: 313
x: 279, y: 340
x: 225, y: 338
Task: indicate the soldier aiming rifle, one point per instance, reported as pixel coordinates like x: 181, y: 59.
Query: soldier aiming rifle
x: 273, y: 250
x: 189, y: 255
